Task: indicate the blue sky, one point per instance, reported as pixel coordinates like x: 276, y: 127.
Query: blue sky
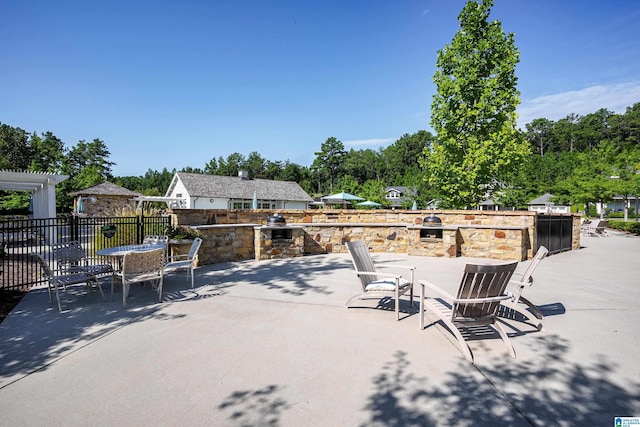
x: 177, y: 83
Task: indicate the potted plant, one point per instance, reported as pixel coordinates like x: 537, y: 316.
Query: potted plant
x: 182, y: 234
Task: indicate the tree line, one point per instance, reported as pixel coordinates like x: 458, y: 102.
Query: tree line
x: 573, y: 158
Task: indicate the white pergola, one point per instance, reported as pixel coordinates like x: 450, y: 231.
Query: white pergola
x: 42, y: 186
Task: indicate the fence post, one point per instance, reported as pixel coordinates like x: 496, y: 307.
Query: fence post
x: 73, y: 228
x: 140, y: 227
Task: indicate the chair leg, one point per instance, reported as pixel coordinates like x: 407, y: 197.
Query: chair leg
x: 536, y: 311
x: 505, y: 339
x: 97, y: 283
x: 125, y: 292
x: 58, y: 297
x: 350, y: 300
x: 532, y: 318
x: 464, y: 347
x: 50, y: 293
x: 421, y: 317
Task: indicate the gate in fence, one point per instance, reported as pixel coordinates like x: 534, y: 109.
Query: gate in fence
x: 20, y: 237
x: 555, y: 232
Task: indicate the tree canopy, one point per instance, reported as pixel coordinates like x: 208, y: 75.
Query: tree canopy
x: 478, y: 147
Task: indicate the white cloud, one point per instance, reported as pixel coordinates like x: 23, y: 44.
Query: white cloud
x: 614, y: 97
x: 372, y: 141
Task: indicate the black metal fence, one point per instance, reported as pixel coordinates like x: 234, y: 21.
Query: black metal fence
x: 555, y: 232
x: 20, y: 237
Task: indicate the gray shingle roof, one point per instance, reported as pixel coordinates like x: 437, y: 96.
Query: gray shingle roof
x: 542, y: 199
x: 106, y: 189
x: 233, y: 187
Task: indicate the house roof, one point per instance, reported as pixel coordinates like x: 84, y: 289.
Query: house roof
x: 400, y: 188
x: 233, y: 187
x: 542, y: 200
x: 106, y: 189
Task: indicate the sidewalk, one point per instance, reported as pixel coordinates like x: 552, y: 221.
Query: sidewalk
x: 270, y: 343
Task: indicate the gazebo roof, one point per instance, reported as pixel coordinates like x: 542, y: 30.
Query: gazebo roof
x: 28, y: 181
x: 42, y: 186
x: 106, y: 189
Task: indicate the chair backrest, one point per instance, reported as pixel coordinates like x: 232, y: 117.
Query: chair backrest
x: 602, y: 224
x: 362, y: 260
x: 482, y: 281
x: 142, y: 264
x: 68, y: 252
x: 195, y: 247
x: 527, y: 277
x: 155, y: 240
x: 593, y: 225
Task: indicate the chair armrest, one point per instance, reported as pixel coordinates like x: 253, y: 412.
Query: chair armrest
x: 481, y: 300
x: 377, y: 273
x: 426, y: 284
x: 412, y: 268
x: 408, y: 267
x: 514, y: 295
x: 178, y: 257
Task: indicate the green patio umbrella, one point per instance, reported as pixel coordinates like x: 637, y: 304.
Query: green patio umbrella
x: 369, y: 204
x: 343, y: 198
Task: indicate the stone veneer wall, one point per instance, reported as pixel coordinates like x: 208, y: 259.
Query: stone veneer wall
x: 330, y: 238
x: 223, y: 243
x: 488, y: 234
x: 266, y: 247
x: 105, y: 205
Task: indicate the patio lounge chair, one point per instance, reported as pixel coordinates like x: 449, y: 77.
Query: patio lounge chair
x: 54, y: 281
x: 375, y: 282
x: 479, y: 295
x: 140, y: 267
x: 596, y: 228
x: 185, y: 261
x: 71, y: 258
x: 523, y: 281
x: 601, y: 229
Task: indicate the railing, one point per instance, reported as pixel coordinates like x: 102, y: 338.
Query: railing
x: 20, y: 237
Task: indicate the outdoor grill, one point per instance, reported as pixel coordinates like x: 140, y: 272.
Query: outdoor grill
x: 276, y: 220
x: 430, y: 223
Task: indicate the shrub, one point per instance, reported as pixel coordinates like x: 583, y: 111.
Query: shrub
x: 630, y: 227
x: 182, y: 232
x: 615, y: 214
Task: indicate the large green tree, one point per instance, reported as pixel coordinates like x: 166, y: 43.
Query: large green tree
x: 478, y: 147
x: 15, y: 149
x: 329, y: 163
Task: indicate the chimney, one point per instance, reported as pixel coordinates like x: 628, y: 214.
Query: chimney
x: 243, y: 174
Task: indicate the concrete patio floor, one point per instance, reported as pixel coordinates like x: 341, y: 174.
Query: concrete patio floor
x: 270, y: 343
